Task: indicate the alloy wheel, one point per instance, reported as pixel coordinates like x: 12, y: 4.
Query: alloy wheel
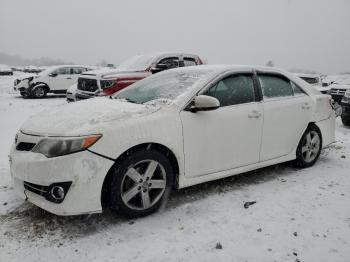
x: 311, y: 146
x: 39, y: 92
x: 143, y: 185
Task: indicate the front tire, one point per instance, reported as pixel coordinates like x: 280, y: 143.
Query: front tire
x: 39, y: 92
x: 309, y: 148
x: 140, y: 184
x: 24, y: 94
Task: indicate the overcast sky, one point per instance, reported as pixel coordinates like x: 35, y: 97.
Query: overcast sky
x: 309, y: 34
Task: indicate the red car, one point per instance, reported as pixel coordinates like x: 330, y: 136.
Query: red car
x: 107, y: 82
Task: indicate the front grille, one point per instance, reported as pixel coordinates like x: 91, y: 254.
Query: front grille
x: 24, y: 146
x: 335, y: 91
x: 37, y: 189
x: 86, y: 84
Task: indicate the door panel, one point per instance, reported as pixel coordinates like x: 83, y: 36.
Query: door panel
x: 287, y: 113
x: 221, y: 139
x: 63, y: 80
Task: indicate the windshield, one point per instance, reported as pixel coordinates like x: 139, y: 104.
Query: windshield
x: 137, y: 63
x: 165, y: 86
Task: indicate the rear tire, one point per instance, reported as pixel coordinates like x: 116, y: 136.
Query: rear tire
x: 140, y: 184
x: 346, y: 121
x: 309, y: 148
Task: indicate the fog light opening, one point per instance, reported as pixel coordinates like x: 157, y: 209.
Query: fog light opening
x: 57, y: 193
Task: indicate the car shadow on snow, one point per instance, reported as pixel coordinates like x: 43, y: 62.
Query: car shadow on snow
x: 28, y: 222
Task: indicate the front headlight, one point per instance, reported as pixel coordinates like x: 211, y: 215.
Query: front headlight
x: 347, y: 93
x: 106, y: 83
x: 53, y: 147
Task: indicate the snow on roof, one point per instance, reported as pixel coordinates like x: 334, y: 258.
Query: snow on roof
x: 307, y: 75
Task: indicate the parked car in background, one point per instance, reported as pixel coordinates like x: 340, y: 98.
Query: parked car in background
x: 338, y: 88
x: 5, y: 70
x: 314, y: 80
x: 55, y: 79
x: 104, y: 82
x: 345, y: 103
x: 177, y: 128
x: 32, y: 69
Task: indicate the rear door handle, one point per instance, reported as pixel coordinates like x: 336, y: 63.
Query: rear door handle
x: 254, y: 114
x: 68, y: 78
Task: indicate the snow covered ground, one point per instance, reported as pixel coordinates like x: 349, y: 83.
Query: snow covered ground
x: 299, y: 215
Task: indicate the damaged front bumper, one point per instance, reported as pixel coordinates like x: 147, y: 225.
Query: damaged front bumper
x: 64, y: 185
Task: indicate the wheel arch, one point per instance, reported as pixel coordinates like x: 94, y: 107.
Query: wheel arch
x: 319, y: 130
x: 167, y: 152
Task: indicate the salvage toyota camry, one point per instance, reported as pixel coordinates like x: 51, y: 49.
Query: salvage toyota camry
x: 172, y: 130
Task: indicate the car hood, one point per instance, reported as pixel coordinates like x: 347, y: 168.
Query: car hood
x: 84, y: 117
x: 115, y: 73
x: 27, y: 75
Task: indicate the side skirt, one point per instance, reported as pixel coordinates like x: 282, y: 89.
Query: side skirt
x: 185, y: 181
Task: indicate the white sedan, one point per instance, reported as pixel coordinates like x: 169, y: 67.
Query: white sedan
x: 172, y: 130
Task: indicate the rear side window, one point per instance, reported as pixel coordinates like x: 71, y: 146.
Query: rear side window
x: 189, y: 61
x: 62, y: 71
x: 275, y: 86
x: 233, y: 90
x: 78, y: 70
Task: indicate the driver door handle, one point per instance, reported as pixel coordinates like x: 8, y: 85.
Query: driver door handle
x: 254, y: 114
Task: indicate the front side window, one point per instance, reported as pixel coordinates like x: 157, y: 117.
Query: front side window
x: 233, y: 90
x: 168, y: 63
x: 275, y: 86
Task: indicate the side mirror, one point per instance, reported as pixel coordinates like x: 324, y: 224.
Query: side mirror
x: 204, y: 103
x: 53, y: 74
x: 159, y: 68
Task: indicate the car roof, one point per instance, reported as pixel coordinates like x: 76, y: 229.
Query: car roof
x: 156, y: 54
x: 223, y: 68
x: 307, y: 75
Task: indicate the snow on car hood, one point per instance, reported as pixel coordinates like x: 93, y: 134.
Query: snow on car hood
x: 84, y: 117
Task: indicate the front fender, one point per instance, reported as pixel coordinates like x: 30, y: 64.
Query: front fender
x: 162, y: 128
